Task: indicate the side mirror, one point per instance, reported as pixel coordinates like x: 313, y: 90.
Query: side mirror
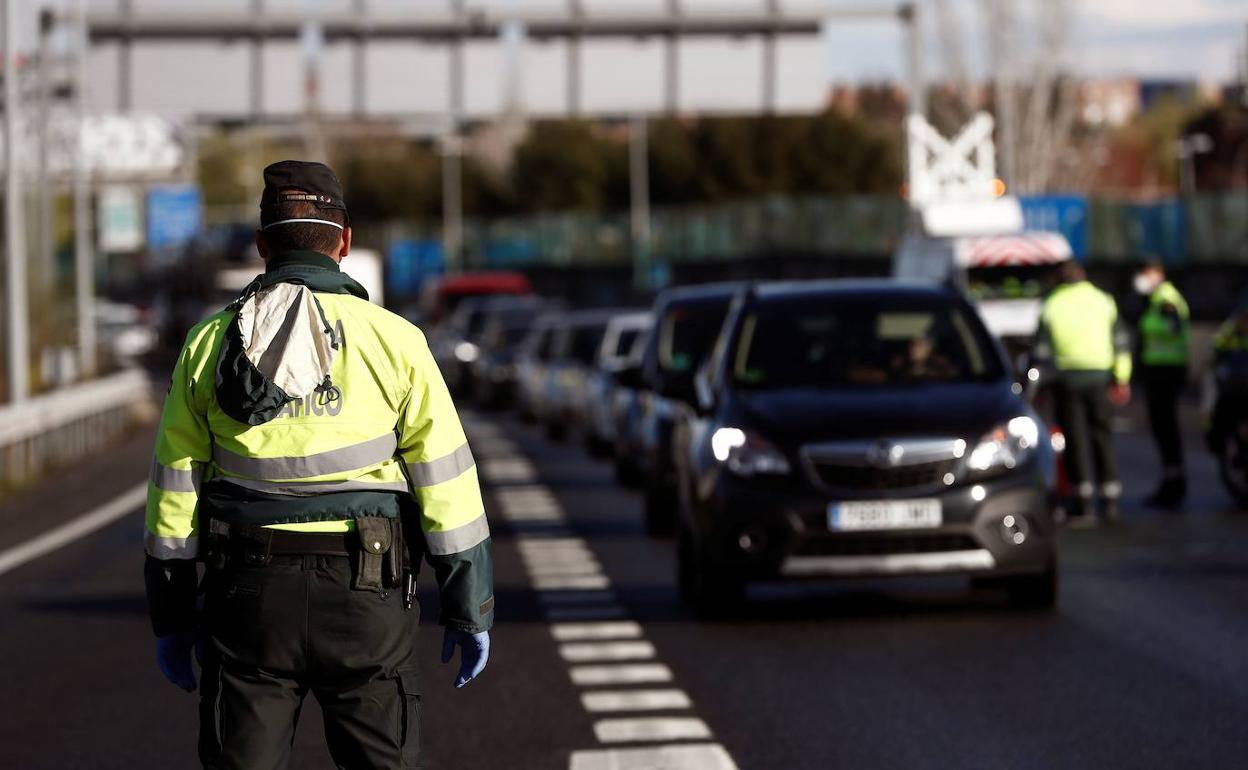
x: 679, y: 389
x: 704, y: 393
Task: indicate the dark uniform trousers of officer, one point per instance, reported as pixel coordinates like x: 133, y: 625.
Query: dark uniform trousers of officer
x: 282, y: 626
x: 1081, y: 400
x: 1163, y: 386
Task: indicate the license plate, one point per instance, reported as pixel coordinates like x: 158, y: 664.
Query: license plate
x: 861, y: 515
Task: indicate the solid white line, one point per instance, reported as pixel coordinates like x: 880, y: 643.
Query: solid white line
x: 70, y: 531
x: 602, y: 612
x: 577, y: 632
x: 586, y: 652
x: 627, y: 673
x: 704, y: 756
x: 635, y: 700
x: 651, y: 729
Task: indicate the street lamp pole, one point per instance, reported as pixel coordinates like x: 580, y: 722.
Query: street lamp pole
x: 18, y: 348
x: 639, y: 187
x: 84, y: 259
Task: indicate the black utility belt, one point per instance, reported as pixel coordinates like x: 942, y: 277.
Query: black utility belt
x: 379, y: 559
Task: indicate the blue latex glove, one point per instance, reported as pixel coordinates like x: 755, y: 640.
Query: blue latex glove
x: 173, y: 653
x: 475, y: 653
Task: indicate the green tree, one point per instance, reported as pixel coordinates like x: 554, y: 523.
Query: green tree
x: 561, y: 165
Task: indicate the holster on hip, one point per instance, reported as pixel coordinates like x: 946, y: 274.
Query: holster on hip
x: 376, y: 536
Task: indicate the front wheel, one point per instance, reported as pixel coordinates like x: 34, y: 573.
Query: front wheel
x: 627, y: 473
x: 1036, y: 592
x: 660, y: 513
x: 712, y: 592
x: 1233, y: 463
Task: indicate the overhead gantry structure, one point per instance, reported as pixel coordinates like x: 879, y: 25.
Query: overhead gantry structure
x: 458, y: 24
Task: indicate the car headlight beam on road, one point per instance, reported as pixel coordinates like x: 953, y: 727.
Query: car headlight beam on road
x: 1006, y: 446
x: 746, y: 454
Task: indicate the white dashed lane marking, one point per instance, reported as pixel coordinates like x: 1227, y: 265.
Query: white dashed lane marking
x: 584, y: 652
x: 576, y: 632
x: 708, y: 756
x: 651, y: 729
x: 621, y: 674
x: 635, y: 700
x: 602, y: 648
x: 554, y: 582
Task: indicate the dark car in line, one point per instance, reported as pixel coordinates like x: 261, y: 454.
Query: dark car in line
x: 686, y: 323
x: 621, y: 347
x: 861, y: 429
x: 564, y: 400
x: 503, y: 332
x: 625, y: 407
x: 535, y: 355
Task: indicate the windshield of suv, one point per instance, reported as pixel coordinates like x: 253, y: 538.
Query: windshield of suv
x: 687, y: 333
x: 624, y: 342
x: 585, y: 341
x: 862, y: 343
x: 544, y: 346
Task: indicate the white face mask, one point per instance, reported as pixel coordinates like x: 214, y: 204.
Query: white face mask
x: 1144, y: 284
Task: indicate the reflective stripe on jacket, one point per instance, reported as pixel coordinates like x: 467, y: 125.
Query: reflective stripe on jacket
x: 390, y: 437
x: 1080, y: 331
x: 1165, y: 328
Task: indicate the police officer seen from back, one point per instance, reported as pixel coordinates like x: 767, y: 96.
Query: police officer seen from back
x: 310, y: 456
x: 1082, y: 338
x: 1164, y: 343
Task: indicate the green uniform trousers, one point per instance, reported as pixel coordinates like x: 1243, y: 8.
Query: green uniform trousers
x: 1084, y: 413
x: 279, y: 631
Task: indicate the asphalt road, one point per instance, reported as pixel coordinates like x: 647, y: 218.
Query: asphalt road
x: 1143, y: 664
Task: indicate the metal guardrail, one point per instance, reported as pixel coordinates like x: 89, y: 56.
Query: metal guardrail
x: 56, y: 428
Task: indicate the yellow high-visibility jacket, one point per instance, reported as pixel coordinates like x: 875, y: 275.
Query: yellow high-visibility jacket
x: 1080, y: 332
x: 388, y: 436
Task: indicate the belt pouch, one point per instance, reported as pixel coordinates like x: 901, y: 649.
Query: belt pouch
x: 252, y: 544
x: 394, y: 557
x: 376, y: 536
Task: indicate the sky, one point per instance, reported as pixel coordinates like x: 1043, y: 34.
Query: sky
x: 1149, y: 38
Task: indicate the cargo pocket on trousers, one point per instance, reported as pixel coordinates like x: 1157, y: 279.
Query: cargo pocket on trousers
x: 410, y: 691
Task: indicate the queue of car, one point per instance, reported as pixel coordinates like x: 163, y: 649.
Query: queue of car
x: 782, y: 431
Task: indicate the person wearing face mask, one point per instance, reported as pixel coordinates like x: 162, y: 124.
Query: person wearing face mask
x: 1164, y: 345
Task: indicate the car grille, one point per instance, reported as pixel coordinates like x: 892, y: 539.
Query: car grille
x: 882, y: 545
x: 858, y: 478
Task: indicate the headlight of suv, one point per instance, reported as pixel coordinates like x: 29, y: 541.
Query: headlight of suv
x: 1006, y: 446
x: 747, y: 454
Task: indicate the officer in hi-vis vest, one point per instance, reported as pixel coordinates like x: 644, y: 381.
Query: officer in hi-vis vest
x: 1081, y: 335
x: 309, y: 454
x: 1164, y: 343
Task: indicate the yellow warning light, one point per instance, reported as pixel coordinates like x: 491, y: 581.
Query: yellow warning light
x: 998, y: 187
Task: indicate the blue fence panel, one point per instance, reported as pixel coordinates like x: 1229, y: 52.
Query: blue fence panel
x: 1065, y: 214
x: 410, y: 262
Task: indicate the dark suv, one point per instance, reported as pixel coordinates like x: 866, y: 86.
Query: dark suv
x: 860, y: 429
x: 686, y: 323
